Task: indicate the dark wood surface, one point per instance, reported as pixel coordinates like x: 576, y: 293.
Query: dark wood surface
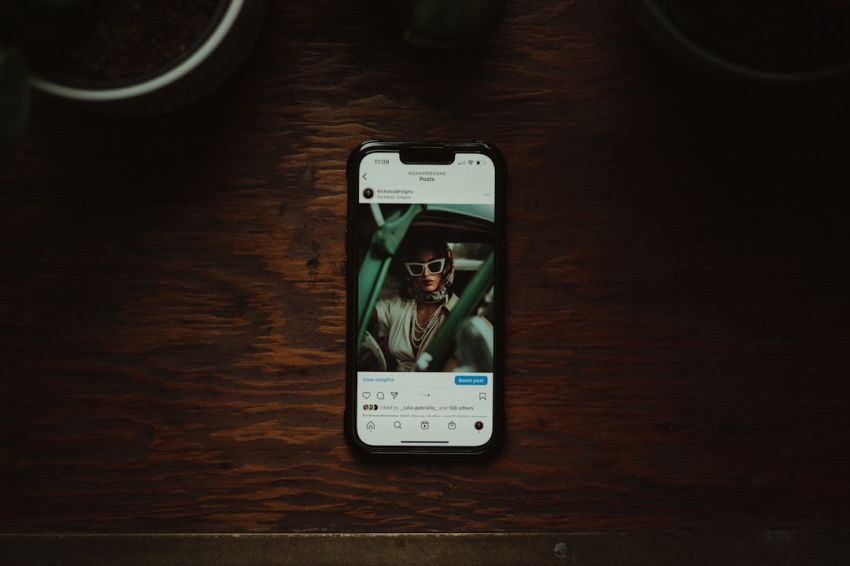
x: 776, y: 548
x: 172, y: 292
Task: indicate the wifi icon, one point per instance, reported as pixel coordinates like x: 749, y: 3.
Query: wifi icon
x: 394, y: 394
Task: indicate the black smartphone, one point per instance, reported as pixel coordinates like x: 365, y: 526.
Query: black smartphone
x: 425, y: 253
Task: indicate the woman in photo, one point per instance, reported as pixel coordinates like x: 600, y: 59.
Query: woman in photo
x: 404, y: 325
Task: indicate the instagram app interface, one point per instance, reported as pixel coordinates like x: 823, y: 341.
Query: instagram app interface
x: 425, y: 274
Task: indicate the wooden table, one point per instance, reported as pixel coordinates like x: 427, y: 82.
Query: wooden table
x: 172, y: 311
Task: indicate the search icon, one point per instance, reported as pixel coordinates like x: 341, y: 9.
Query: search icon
x: 397, y: 424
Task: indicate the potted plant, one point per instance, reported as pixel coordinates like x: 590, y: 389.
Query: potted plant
x: 130, y: 56
x: 759, y: 40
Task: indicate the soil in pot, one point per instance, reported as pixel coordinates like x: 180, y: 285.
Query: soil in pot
x: 111, y: 43
x: 768, y: 35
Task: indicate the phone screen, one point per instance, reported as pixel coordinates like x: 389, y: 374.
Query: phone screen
x: 425, y: 240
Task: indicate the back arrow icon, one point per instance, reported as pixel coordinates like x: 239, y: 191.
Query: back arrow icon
x: 364, y: 176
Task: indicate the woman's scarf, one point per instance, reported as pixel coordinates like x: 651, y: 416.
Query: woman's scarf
x: 434, y: 297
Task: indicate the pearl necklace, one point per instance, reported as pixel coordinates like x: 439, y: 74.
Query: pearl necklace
x: 420, y: 330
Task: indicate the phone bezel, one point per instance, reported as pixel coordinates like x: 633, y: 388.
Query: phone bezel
x: 350, y: 416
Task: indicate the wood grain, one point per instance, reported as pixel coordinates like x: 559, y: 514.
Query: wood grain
x: 781, y: 548
x: 172, y: 323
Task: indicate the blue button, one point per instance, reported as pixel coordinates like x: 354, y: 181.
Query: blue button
x: 470, y: 380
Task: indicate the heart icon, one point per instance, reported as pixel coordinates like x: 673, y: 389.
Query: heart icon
x: 366, y: 394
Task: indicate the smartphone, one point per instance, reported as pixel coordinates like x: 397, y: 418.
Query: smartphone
x: 425, y: 253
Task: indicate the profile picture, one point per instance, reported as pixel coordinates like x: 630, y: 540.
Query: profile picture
x: 368, y: 193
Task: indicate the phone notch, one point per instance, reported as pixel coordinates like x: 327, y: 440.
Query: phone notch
x: 427, y: 155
